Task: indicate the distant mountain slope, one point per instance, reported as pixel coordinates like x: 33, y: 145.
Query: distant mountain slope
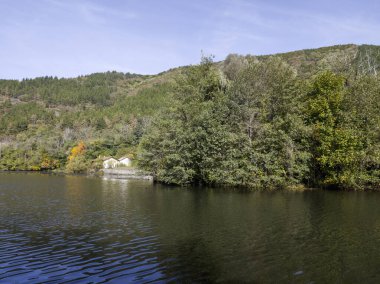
x: 103, y: 89
x: 339, y: 58
x: 96, y: 88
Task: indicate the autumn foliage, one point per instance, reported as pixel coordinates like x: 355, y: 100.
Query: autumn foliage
x: 77, y: 150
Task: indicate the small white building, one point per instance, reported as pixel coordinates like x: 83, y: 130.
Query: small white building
x: 110, y: 163
x: 125, y: 162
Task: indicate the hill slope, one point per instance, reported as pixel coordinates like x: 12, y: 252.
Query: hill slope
x: 42, y: 119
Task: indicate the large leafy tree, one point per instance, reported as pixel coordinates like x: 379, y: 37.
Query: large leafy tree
x: 335, y: 147
x: 267, y: 100
x: 195, y: 142
x: 362, y: 114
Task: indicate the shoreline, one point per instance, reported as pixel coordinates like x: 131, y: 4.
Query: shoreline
x: 101, y: 174
x: 113, y: 173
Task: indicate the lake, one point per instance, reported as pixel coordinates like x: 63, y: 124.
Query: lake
x: 77, y: 229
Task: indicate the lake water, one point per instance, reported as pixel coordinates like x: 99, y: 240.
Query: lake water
x: 75, y: 229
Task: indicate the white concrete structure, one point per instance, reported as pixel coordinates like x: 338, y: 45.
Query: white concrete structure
x: 110, y: 163
x: 125, y: 162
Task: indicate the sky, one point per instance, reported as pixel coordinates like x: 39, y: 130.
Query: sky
x: 67, y: 38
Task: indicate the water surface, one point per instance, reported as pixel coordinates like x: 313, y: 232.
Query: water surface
x: 75, y: 229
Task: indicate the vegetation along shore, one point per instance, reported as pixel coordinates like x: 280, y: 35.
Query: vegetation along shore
x: 307, y: 118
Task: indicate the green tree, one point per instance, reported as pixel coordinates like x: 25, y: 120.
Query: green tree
x: 362, y: 115
x: 334, y: 147
x: 266, y: 101
x: 194, y: 142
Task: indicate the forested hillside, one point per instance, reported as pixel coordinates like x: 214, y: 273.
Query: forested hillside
x: 304, y: 118
x: 42, y: 119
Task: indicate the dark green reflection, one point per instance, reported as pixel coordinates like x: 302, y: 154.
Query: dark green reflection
x: 61, y: 228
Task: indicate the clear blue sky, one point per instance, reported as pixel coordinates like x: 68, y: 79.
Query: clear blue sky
x: 66, y: 38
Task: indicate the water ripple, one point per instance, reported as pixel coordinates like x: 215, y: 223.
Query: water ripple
x: 82, y: 230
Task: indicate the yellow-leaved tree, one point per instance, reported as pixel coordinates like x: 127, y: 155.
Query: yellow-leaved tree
x: 77, y: 161
x: 77, y: 150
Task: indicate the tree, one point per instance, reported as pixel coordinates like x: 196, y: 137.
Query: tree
x: 77, y: 150
x: 266, y: 101
x: 77, y: 161
x: 362, y: 115
x: 334, y: 147
x: 194, y: 142
x: 233, y: 65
